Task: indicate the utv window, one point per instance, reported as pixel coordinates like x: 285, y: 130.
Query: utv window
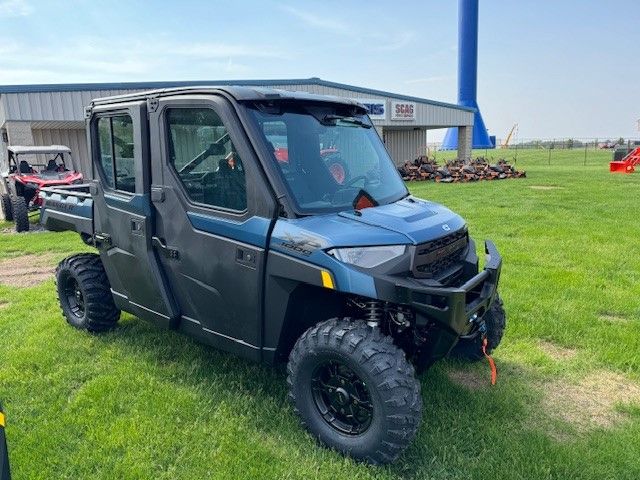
x: 105, y: 154
x: 205, y: 159
x: 328, y: 155
x: 116, y: 147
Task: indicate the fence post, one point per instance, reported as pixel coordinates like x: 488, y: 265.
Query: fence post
x: 585, y: 153
x: 550, y: 148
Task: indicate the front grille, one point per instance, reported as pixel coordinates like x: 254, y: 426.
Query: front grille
x: 436, y: 257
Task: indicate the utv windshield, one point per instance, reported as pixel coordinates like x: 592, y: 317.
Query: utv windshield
x: 41, y: 163
x: 328, y: 155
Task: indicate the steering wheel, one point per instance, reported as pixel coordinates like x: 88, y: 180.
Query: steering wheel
x: 356, y: 179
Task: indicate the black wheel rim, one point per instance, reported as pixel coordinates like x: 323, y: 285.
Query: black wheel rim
x: 342, y: 398
x: 74, y: 297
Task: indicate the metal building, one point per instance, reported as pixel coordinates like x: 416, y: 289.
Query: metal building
x: 54, y: 114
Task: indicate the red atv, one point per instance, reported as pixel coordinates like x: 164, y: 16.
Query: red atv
x: 25, y: 171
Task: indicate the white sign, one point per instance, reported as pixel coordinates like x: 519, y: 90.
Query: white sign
x: 376, y: 108
x: 403, y: 111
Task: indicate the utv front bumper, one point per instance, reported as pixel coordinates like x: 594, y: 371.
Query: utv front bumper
x: 452, y: 308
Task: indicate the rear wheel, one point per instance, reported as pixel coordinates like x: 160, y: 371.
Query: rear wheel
x: 5, y: 204
x: 20, y: 213
x: 355, y: 390
x: 85, y: 294
x: 495, y: 320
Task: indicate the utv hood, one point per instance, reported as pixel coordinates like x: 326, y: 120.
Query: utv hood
x: 418, y: 220
x: 50, y: 178
x: 408, y: 221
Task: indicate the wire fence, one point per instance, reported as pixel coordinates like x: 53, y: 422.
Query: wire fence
x: 554, y: 149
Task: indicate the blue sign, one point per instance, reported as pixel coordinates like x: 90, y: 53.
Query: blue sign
x: 376, y: 108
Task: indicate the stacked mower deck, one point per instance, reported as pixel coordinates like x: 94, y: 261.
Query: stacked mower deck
x: 425, y: 168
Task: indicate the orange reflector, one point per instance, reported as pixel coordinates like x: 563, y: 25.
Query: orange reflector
x: 327, y: 280
x: 1, y: 419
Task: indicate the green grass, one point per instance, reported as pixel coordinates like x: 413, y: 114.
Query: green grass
x: 145, y: 403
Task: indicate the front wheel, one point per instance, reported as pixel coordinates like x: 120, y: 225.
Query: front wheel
x: 355, y: 390
x: 20, y: 214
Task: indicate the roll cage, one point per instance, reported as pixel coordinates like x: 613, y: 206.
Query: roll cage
x: 16, y: 165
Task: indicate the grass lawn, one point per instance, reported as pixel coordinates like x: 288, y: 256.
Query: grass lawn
x: 140, y: 402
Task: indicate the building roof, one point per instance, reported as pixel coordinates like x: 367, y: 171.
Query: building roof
x: 71, y: 87
x: 240, y: 93
x: 29, y: 150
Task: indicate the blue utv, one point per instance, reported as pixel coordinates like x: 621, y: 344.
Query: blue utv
x: 274, y: 225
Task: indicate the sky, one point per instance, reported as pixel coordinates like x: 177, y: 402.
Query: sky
x: 564, y: 68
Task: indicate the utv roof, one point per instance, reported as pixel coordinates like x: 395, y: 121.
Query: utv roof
x: 239, y: 93
x: 25, y: 150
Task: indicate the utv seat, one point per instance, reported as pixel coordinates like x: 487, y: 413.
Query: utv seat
x: 229, y: 190
x: 25, y: 167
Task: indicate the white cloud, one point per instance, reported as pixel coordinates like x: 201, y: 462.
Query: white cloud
x: 355, y: 31
x: 224, y: 50
x: 397, y: 42
x: 97, y: 59
x: 15, y: 8
x: 318, y: 21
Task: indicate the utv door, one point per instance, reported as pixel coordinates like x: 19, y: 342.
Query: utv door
x: 214, y: 213
x: 123, y: 214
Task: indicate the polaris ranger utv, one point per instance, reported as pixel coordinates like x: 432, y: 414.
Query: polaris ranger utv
x: 201, y: 228
x: 22, y: 180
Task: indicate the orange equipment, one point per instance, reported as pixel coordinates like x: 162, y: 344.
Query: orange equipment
x: 510, y: 136
x: 627, y: 164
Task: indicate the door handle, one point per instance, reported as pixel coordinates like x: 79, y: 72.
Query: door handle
x: 246, y: 257
x: 136, y: 227
x: 161, y: 245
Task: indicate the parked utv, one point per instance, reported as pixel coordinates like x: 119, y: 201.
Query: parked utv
x: 25, y: 171
x: 201, y: 227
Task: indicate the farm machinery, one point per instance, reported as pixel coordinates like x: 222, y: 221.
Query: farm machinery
x: 627, y: 164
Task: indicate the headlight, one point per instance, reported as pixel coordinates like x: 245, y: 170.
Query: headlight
x: 367, y: 257
x: 32, y: 185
